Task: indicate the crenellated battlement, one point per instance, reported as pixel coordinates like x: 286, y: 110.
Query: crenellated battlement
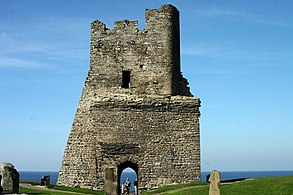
x: 147, y: 60
x: 122, y: 25
x: 126, y: 25
x: 98, y: 26
x: 153, y: 19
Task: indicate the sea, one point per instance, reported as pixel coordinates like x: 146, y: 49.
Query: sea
x: 225, y: 175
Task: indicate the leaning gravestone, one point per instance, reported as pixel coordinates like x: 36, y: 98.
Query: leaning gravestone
x: 10, y: 178
x: 215, y: 182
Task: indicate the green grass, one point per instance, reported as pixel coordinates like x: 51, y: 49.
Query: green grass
x: 79, y: 190
x: 269, y: 185
x: 55, y: 187
x: 173, y: 187
x: 201, y: 190
x: 32, y: 191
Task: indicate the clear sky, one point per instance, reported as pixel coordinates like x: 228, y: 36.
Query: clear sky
x: 237, y: 56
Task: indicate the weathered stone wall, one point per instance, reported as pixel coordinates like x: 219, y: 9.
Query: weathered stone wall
x: 152, y: 55
x: 160, y: 134
x: 153, y: 123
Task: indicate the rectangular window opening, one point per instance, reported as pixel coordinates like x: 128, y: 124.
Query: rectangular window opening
x: 125, y: 79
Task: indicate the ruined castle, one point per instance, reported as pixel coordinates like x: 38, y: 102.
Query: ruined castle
x: 136, y: 109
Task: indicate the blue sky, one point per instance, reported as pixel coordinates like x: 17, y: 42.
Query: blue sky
x: 236, y: 55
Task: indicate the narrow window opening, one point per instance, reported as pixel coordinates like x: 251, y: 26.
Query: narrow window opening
x: 125, y: 79
x: 125, y: 24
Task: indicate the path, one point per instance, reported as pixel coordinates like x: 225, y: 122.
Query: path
x: 199, y: 186
x: 183, y: 188
x: 43, y: 188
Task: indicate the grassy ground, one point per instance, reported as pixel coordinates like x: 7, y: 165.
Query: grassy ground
x: 79, y: 190
x: 33, y: 191
x: 55, y: 187
x: 269, y: 185
x: 259, y: 186
x: 174, y: 187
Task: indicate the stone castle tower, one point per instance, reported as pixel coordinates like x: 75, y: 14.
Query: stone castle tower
x: 136, y: 109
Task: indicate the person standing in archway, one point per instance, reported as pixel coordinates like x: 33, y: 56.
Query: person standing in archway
x: 128, y: 185
x: 135, y: 187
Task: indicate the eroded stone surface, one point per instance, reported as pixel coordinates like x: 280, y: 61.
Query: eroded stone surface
x: 10, y: 178
x: 135, y: 110
x: 215, y: 182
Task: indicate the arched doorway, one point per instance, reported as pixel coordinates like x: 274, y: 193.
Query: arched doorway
x: 126, y: 166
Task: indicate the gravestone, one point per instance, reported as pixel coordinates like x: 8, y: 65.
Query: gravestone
x: 10, y: 178
x: 215, y: 182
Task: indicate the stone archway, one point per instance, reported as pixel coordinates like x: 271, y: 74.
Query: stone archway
x: 121, y: 167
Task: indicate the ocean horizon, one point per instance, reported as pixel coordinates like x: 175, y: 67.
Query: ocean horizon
x: 225, y: 175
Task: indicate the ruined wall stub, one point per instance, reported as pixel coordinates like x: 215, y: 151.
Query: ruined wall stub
x: 136, y: 109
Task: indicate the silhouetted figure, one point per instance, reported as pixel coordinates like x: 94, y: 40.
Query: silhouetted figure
x: 45, y: 180
x: 127, y: 184
x: 208, y: 177
x: 135, y: 187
